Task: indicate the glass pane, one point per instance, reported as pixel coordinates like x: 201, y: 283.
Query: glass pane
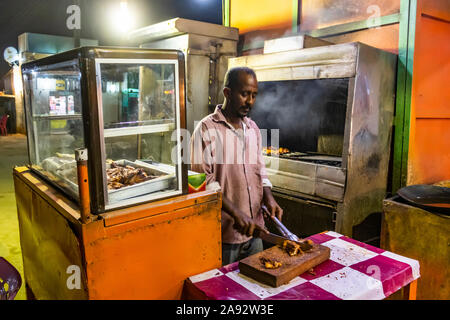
x: 139, y: 104
x: 55, y: 125
x: 134, y: 95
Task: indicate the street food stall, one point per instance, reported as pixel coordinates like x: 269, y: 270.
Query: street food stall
x: 413, y: 30
x: 326, y: 114
x: 103, y: 205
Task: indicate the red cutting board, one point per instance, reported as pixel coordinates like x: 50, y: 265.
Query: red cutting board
x: 291, y: 266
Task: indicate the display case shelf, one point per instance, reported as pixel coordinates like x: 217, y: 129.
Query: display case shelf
x: 139, y: 130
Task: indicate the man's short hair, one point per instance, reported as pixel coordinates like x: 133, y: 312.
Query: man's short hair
x: 232, y: 76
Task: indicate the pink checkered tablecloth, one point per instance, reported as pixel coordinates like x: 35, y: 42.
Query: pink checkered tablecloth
x: 355, y: 270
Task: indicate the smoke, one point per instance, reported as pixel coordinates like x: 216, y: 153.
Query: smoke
x: 302, y: 110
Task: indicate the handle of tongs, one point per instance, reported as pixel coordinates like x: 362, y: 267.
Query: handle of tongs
x: 280, y: 226
x: 286, y: 232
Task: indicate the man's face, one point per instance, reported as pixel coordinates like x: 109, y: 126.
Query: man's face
x: 242, y: 97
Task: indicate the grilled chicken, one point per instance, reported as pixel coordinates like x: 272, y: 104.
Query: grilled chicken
x: 270, y: 264
x: 120, y: 176
x: 292, y: 248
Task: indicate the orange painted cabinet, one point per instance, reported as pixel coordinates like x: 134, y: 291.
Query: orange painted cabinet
x: 141, y: 252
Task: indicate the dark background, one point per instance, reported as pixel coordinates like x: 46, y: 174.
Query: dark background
x: 49, y: 17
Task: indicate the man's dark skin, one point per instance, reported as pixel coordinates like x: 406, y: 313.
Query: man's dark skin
x: 237, y: 105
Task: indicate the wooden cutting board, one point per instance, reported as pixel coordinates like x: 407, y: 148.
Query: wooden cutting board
x: 291, y: 266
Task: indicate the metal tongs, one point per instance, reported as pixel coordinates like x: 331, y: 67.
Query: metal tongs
x: 281, y: 227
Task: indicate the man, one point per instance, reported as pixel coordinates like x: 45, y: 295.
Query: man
x: 226, y: 145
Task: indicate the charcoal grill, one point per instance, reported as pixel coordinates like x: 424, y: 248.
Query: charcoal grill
x: 332, y: 107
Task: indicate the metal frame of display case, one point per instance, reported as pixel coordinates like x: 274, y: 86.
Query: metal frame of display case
x: 88, y: 58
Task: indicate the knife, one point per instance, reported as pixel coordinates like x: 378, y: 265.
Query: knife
x: 279, y: 240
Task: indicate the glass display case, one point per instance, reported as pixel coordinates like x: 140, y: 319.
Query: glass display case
x: 125, y: 106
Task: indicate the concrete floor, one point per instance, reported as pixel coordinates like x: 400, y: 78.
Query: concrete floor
x: 13, y: 152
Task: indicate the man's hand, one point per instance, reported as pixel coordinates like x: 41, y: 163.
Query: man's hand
x: 245, y: 225
x: 242, y: 223
x: 272, y: 206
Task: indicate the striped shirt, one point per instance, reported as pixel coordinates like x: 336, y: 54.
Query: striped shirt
x: 233, y: 158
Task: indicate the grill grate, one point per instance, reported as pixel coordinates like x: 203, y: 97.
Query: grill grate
x: 312, y: 158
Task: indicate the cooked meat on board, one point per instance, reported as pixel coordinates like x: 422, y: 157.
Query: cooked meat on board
x: 270, y: 263
x: 293, y: 248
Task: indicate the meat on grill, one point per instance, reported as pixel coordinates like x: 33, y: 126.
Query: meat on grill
x: 273, y: 151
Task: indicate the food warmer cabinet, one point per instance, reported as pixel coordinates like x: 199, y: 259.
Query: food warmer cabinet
x: 103, y: 207
x: 326, y: 115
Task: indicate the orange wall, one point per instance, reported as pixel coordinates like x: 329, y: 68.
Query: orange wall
x: 253, y: 15
x: 429, y: 143
x: 268, y: 19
